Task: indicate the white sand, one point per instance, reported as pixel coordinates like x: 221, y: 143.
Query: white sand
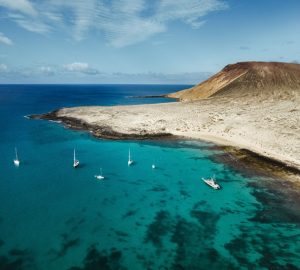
x: 268, y: 127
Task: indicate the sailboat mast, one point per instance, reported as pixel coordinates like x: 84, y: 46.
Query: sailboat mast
x: 129, y: 155
x: 74, y: 156
x: 16, y: 153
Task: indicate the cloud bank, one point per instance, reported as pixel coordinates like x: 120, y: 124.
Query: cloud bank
x: 81, y: 68
x: 122, y: 22
x: 78, y: 72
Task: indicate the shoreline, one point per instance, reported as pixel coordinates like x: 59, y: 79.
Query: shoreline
x: 100, y: 132
x: 258, y: 154
x: 107, y: 132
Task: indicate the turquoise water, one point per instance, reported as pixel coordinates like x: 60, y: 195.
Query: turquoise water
x: 55, y: 217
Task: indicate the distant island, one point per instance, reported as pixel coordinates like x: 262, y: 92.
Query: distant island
x: 249, y: 105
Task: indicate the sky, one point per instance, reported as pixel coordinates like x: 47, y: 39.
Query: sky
x: 141, y: 41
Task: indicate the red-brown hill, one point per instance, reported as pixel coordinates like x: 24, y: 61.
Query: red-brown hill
x: 247, y: 79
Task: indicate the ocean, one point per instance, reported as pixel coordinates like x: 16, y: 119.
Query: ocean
x: 55, y: 217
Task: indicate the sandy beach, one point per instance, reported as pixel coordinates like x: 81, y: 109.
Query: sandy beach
x: 267, y: 127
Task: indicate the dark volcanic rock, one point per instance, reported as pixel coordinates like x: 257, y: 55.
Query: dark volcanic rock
x: 104, y: 132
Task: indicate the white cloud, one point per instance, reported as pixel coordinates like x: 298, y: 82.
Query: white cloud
x: 23, y: 6
x: 128, y: 22
x: 46, y: 70
x: 5, y: 40
x: 164, y: 78
x: 3, y: 68
x: 81, y: 68
x: 123, y: 22
x: 77, y: 66
x: 190, y: 11
x: 78, y: 72
x: 30, y: 24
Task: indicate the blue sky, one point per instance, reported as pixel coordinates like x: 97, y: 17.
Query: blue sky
x: 141, y: 41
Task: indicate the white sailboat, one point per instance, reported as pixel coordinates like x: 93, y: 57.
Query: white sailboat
x: 100, y: 176
x: 76, y: 161
x: 130, y: 161
x: 16, y: 160
x: 153, y: 166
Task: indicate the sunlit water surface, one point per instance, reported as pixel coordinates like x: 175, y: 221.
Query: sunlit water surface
x: 53, y: 216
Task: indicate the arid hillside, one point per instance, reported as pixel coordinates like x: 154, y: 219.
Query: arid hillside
x: 264, y: 80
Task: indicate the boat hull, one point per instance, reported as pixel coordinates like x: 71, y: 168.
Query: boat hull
x: 16, y: 162
x: 130, y: 162
x: 76, y: 164
x: 211, y: 184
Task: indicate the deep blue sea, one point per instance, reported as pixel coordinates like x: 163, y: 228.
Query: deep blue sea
x: 55, y: 217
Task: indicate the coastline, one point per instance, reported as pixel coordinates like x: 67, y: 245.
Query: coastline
x: 251, y: 126
x: 260, y: 154
x: 101, y: 132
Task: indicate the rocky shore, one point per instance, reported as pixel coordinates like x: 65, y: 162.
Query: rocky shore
x: 104, y: 132
x: 253, y: 106
x: 269, y: 128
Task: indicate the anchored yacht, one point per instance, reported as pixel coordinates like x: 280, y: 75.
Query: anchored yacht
x: 130, y: 161
x: 212, y: 183
x: 100, y: 176
x: 16, y: 160
x: 75, y: 161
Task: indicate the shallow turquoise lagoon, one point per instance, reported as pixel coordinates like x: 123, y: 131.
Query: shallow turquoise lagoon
x: 53, y: 216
